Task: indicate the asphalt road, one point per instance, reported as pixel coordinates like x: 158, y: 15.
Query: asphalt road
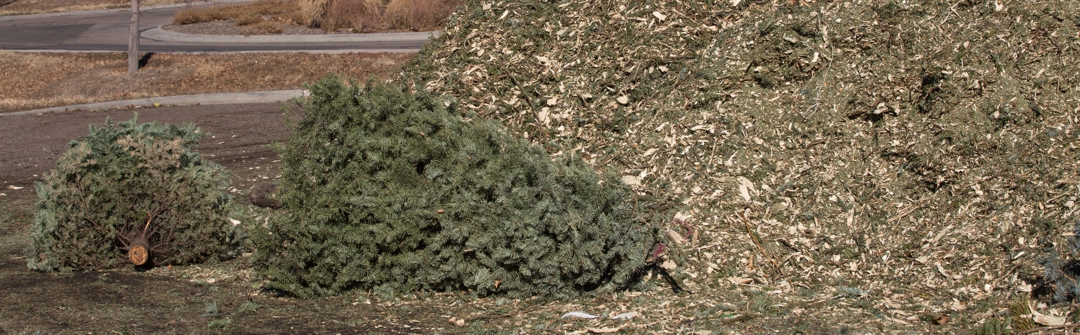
x: 108, y: 31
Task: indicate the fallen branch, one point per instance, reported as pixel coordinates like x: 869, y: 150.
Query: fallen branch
x: 746, y: 222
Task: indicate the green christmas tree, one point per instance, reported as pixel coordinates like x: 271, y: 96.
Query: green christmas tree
x: 393, y: 191
x: 128, y: 183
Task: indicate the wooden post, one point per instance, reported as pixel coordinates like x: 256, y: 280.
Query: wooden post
x: 133, y: 39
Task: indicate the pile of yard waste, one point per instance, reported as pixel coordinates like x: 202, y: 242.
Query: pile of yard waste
x: 919, y: 155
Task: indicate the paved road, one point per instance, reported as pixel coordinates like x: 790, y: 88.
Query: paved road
x: 108, y: 31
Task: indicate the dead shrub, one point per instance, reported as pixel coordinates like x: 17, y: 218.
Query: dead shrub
x: 189, y: 17
x: 313, y: 11
x: 356, y: 14
x: 185, y: 17
x: 397, y: 13
x: 418, y: 14
x: 243, y: 14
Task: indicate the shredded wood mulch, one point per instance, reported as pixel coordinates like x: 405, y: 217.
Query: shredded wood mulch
x: 873, y: 165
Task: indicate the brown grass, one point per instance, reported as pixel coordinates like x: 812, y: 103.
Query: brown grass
x: 313, y: 11
x: 263, y: 28
x: 359, y: 15
x: 418, y: 14
x: 332, y: 15
x: 31, y: 80
x: 243, y: 14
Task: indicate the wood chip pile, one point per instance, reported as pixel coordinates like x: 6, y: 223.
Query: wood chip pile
x: 919, y: 156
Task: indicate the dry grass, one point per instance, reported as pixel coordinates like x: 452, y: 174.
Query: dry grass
x: 263, y: 28
x: 418, y: 14
x: 284, y: 12
x: 359, y: 15
x: 313, y: 11
x: 29, y: 81
x: 331, y: 15
x: 20, y: 7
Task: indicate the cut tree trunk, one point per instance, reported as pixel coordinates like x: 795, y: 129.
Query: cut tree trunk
x: 139, y: 251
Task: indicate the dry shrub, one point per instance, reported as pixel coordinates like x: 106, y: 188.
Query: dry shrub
x: 397, y: 13
x: 313, y: 11
x: 418, y: 14
x: 190, y: 16
x: 243, y: 14
x: 356, y: 14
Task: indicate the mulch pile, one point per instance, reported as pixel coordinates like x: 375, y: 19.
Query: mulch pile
x: 919, y: 158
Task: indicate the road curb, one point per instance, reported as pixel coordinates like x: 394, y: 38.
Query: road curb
x: 201, y: 99
x: 159, y: 34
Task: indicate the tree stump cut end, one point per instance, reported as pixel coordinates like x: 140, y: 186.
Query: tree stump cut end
x: 138, y: 255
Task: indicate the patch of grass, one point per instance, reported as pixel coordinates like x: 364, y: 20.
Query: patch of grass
x: 418, y: 14
x: 249, y: 306
x: 263, y: 28
x: 358, y: 15
x: 219, y: 324
x: 331, y: 15
x: 243, y: 14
